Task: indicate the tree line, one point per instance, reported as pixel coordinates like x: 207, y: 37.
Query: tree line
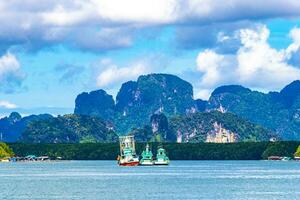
x: 176, y: 151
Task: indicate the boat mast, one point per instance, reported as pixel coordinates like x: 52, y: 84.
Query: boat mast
x: 121, y: 140
x: 133, y: 144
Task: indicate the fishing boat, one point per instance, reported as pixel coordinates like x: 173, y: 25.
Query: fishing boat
x: 127, y: 155
x: 147, y: 156
x: 161, y: 157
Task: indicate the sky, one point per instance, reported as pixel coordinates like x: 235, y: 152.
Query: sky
x: 50, y: 51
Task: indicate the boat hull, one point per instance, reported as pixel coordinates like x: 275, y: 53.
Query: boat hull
x: 146, y: 163
x: 134, y: 163
x: 161, y: 163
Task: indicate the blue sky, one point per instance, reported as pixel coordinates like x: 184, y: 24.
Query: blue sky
x: 51, y: 52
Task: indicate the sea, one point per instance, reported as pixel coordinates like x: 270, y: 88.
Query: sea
x: 180, y: 180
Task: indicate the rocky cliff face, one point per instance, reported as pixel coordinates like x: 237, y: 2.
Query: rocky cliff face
x: 200, y: 105
x: 151, y: 94
x: 138, y: 100
x: 96, y: 103
x: 290, y: 94
x: 155, y: 93
x: 220, y: 134
x: 160, y: 107
x: 278, y: 111
x: 157, y: 130
x: 213, y: 127
x: 216, y: 127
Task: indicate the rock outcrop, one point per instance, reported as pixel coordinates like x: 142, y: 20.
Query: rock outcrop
x: 278, y: 111
x: 96, y: 103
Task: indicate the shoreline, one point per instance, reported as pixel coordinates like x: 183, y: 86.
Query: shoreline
x: 172, y: 162
x: 175, y: 151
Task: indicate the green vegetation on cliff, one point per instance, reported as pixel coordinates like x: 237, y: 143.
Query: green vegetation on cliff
x: 278, y: 111
x: 5, y: 151
x: 12, y: 127
x: 96, y: 103
x: 196, y: 126
x: 153, y: 94
x: 160, y: 107
x: 297, y: 153
x: 69, y: 129
x: 137, y: 100
x: 287, y: 148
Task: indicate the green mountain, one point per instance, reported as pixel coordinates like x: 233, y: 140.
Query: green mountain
x: 278, y: 111
x: 160, y: 107
x: 138, y: 100
x: 156, y: 130
x: 152, y: 94
x: 69, y: 129
x: 217, y: 127
x: 11, y: 127
x: 202, y: 127
x: 96, y: 103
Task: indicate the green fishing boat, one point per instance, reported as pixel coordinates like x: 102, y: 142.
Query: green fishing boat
x: 161, y: 157
x: 127, y: 155
x: 147, y: 156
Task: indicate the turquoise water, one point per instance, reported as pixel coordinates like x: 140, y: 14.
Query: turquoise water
x: 181, y: 180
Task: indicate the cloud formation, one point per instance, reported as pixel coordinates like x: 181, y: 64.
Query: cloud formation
x: 99, y: 25
x: 256, y: 64
x: 11, y: 76
x: 69, y: 73
x: 219, y: 36
x: 7, y: 105
x: 112, y: 75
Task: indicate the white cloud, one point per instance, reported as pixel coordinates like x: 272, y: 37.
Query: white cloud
x: 256, y: 64
x: 202, y: 93
x: 113, y: 74
x: 145, y: 12
x: 209, y: 62
x: 113, y: 11
x: 33, y: 24
x: 104, y: 39
x: 295, y: 35
x: 8, y: 64
x: 7, y: 105
x: 61, y: 16
x: 11, y: 75
x: 109, y: 75
x: 293, y: 51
